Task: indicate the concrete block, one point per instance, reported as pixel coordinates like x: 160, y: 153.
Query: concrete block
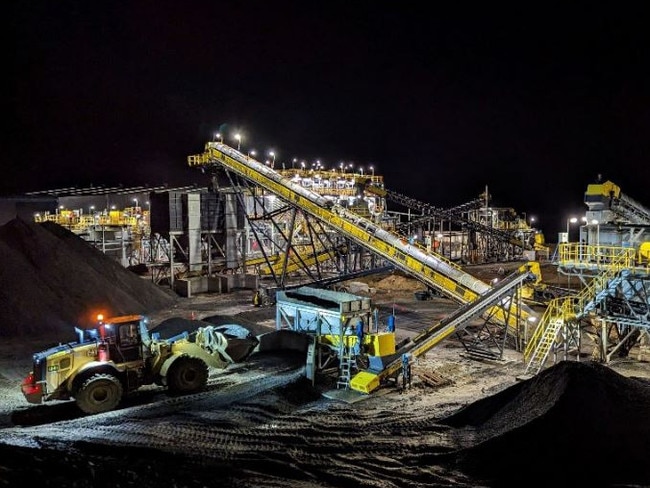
x: 183, y: 287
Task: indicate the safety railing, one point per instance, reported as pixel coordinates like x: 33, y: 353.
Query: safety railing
x: 562, y: 310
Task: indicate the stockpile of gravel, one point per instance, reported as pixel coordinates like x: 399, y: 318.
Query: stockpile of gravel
x: 580, y: 420
x: 51, y: 280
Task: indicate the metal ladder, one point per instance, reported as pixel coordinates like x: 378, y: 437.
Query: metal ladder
x: 347, y: 363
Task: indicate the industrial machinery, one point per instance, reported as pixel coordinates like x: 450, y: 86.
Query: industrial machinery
x: 479, y: 232
x: 385, y: 366
x: 504, y: 309
x: 435, y: 271
x: 343, y: 327
x: 612, y: 262
x: 120, y: 356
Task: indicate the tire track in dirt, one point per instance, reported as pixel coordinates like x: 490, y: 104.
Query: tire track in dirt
x: 309, y: 439
x: 123, y: 425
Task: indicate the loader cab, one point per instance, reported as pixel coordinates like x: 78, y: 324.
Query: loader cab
x: 123, y: 335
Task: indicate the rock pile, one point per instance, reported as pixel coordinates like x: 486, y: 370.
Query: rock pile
x: 573, y: 420
x: 51, y: 281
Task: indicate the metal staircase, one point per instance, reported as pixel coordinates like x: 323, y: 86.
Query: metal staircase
x: 562, y: 312
x: 609, y: 288
x: 541, y: 342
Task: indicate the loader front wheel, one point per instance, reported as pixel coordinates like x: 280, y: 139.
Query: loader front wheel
x: 187, y: 375
x: 99, y: 393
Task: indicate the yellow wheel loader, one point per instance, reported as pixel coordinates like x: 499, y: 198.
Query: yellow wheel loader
x: 120, y: 356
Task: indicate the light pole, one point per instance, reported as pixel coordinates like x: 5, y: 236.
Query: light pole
x: 571, y: 220
x: 272, y: 154
x: 218, y: 136
x: 238, y: 138
x: 251, y: 153
x: 372, y: 170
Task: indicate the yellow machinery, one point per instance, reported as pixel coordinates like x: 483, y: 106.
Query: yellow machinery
x: 130, y: 217
x: 340, y: 323
x: 120, y: 356
x: 293, y: 262
x: 432, y: 269
x: 386, y: 367
x: 612, y: 260
x: 373, y: 343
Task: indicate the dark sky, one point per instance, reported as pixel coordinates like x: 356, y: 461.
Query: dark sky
x: 534, y: 103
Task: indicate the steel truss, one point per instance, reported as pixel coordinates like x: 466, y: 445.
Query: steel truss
x: 489, y: 339
x: 482, y: 241
x: 287, y: 239
x: 623, y: 318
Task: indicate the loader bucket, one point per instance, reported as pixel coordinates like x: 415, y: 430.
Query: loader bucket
x: 239, y: 349
x: 241, y: 342
x: 283, y: 339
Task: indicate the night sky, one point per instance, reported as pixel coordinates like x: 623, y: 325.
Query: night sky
x: 532, y: 103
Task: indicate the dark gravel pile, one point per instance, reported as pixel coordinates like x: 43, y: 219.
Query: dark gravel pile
x: 573, y: 419
x: 51, y: 280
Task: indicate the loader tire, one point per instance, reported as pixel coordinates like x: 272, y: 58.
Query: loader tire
x: 187, y: 375
x: 99, y: 393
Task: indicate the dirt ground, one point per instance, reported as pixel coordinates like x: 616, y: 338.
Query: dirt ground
x: 261, y: 423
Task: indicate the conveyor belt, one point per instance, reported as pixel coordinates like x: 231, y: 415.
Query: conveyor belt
x: 454, y: 215
x: 366, y: 381
x: 608, y: 196
x: 631, y: 210
x: 430, y: 268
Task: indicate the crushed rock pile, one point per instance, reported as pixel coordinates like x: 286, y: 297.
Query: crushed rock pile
x: 396, y: 282
x: 51, y: 281
x: 574, y: 419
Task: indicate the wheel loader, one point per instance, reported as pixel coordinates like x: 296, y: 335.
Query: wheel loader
x: 120, y: 355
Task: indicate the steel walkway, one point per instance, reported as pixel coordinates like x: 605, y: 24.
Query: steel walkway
x: 615, y: 281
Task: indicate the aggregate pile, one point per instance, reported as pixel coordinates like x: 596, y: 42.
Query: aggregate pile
x: 51, y: 280
x: 573, y: 420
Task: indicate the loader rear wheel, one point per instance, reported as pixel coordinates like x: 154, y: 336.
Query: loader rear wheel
x: 99, y: 393
x: 187, y: 375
